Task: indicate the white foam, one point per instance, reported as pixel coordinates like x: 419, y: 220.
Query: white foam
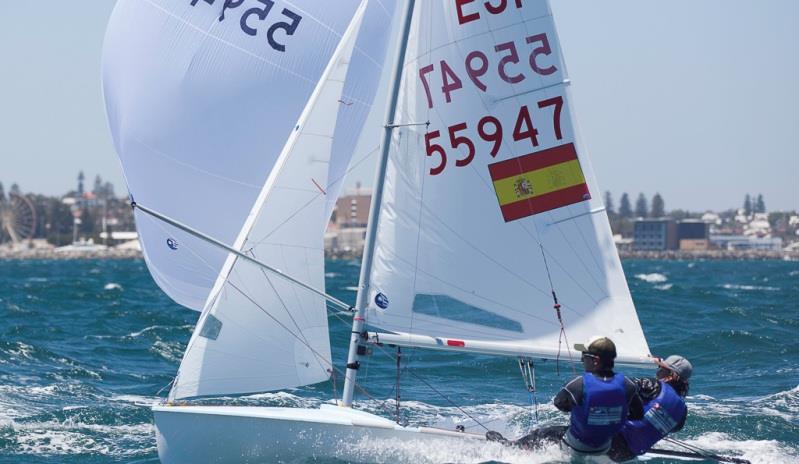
x: 136, y: 399
x: 352, y: 289
x: 171, y: 351
x: 22, y: 350
x: 330, y: 275
x: 664, y: 287
x: 794, y: 273
x: 112, y: 286
x: 653, y: 278
x: 54, y: 438
x: 384, y: 450
x: 749, y: 287
x: 756, y: 451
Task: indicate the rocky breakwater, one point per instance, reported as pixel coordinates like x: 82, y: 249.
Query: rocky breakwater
x: 55, y: 253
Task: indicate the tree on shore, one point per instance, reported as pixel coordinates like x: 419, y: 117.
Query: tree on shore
x: 641, y: 208
x: 658, y: 206
x: 609, y: 206
x: 747, y: 205
x: 760, y: 205
x: 2, y: 192
x: 625, y: 209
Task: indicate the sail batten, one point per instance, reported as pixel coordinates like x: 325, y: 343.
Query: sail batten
x: 490, y: 209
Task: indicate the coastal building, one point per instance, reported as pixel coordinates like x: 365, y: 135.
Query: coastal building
x: 352, y: 209
x: 655, y: 234
x: 693, y: 235
x: 346, y: 233
x: 623, y: 243
x: 746, y: 242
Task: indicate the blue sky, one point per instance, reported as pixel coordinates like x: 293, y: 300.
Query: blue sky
x: 697, y: 100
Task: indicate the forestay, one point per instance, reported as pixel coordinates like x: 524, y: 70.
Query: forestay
x: 261, y: 332
x: 201, y: 96
x: 495, y: 196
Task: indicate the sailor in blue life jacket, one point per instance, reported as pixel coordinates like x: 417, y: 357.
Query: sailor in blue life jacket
x: 599, y: 402
x: 664, y: 409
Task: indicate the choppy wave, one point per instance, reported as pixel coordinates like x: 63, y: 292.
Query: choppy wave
x: 79, y: 367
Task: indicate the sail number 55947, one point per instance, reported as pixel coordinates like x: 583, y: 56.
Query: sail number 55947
x: 477, y: 65
x: 490, y: 130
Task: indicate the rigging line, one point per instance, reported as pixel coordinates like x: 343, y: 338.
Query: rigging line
x: 409, y: 131
x: 315, y: 197
x: 418, y: 242
x: 382, y: 403
x: 283, y: 304
x: 569, y: 274
x: 562, y: 333
x: 418, y: 377
x: 239, y: 254
x: 450, y: 401
x: 316, y: 353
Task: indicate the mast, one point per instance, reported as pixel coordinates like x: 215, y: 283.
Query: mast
x: 353, y: 358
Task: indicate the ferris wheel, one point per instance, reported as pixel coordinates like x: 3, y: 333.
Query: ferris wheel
x: 17, y: 218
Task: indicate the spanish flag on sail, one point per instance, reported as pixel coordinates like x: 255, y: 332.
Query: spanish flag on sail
x: 539, y: 182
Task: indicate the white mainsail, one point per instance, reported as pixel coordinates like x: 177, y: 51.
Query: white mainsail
x: 489, y: 196
x: 201, y: 96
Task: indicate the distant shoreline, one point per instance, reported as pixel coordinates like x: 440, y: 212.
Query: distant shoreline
x: 666, y: 255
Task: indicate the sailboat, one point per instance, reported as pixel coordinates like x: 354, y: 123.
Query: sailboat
x: 234, y: 124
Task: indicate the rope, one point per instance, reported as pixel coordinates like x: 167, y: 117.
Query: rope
x: 692, y: 448
x: 697, y: 451
x: 332, y: 373
x: 436, y: 391
x: 527, y: 368
x: 397, y: 389
x: 562, y: 335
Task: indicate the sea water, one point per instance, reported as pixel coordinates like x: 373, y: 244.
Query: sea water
x: 86, y: 345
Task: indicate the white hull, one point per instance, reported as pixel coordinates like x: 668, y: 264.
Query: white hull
x: 238, y: 434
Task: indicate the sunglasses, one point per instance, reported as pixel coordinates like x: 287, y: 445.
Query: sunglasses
x: 589, y: 356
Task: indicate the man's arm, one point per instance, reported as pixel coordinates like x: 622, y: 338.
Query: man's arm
x: 635, y: 406
x: 570, y: 395
x: 648, y: 388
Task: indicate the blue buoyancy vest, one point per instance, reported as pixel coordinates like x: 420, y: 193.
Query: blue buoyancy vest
x: 661, y: 416
x: 601, y: 414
